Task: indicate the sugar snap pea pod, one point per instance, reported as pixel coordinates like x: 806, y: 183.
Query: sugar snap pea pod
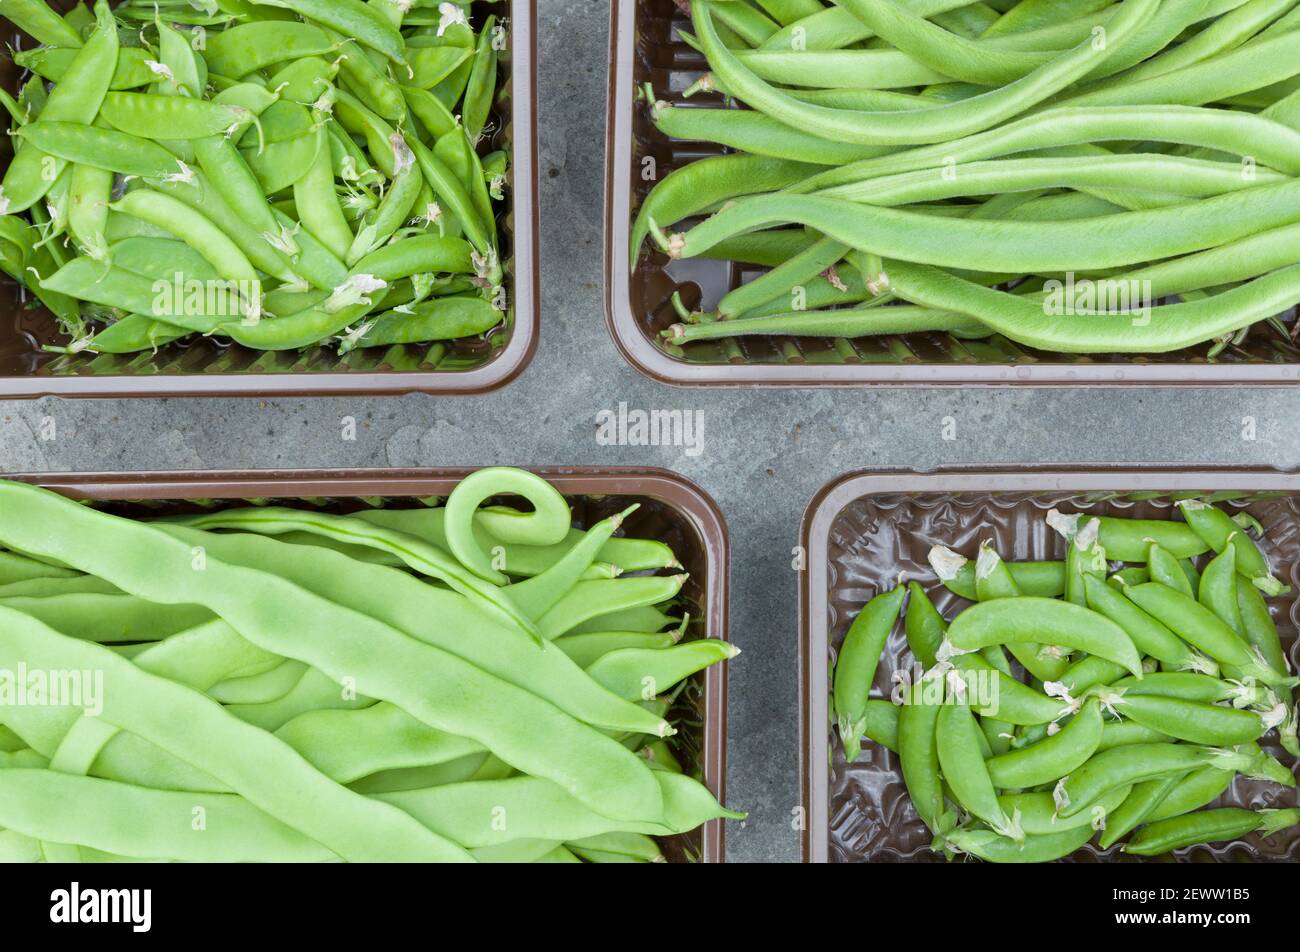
x: 1191, y: 721
x: 416, y: 608
x: 1166, y: 570
x: 395, y: 208
x: 77, y: 99
x: 691, y: 189
x: 1195, y: 790
x: 1086, y: 558
x: 1209, y: 826
x: 993, y: 580
x: 89, y: 193
x: 934, y: 125
x: 584, y: 650
x: 1129, y: 539
x: 965, y: 771
x: 992, y: 848
x: 1133, y: 764
x: 432, y: 64
x: 534, y: 735
x: 642, y: 674
x: 267, y: 772
x: 1061, y: 623
x: 1088, y: 672
x: 1218, y: 530
x: 1011, y: 701
x: 1052, y: 758
x: 1259, y: 628
x: 882, y: 723
x: 1042, y: 579
x: 918, y: 752
x: 1038, y: 815
x: 1127, y: 733
x: 1143, y: 798
x: 855, y: 666
x: 135, y: 821
x: 1218, y: 588
x: 1189, y: 686
x: 1149, y: 636
x: 1200, y: 627
x: 351, y: 18
x: 37, y: 20
x: 924, y: 625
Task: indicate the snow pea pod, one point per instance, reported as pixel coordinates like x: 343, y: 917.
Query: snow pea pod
x: 78, y: 98
x: 352, y: 18
x: 855, y: 666
x: 443, y: 319
x: 249, y: 47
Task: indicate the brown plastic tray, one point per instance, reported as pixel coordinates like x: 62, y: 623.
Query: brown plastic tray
x: 646, y: 48
x: 862, y: 530
x: 673, y: 510
x: 212, y: 368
